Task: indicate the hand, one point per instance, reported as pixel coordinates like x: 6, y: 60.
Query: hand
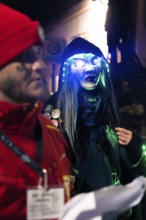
x: 124, y: 135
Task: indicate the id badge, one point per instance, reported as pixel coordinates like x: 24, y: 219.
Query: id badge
x: 45, y: 202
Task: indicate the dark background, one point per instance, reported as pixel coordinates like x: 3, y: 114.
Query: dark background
x: 46, y: 11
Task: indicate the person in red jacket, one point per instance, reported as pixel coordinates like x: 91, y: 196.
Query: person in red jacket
x: 33, y: 153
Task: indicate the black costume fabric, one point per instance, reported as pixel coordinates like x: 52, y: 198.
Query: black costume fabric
x: 88, y: 119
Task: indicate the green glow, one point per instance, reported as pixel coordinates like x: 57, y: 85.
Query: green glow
x: 144, y: 151
x: 144, y: 154
x: 112, y: 137
x: 81, y: 55
x: 102, y: 78
x: 116, y: 180
x: 144, y: 147
x: 107, y: 66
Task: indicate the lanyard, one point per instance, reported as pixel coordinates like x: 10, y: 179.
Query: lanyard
x: 20, y: 153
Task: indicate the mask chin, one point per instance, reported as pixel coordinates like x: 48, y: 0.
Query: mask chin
x: 89, y: 85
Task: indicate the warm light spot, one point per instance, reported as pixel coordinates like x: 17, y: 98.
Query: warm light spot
x: 96, y: 23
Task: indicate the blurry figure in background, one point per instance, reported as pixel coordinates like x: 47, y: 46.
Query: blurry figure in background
x: 31, y: 148
x: 118, y: 26
x: 132, y: 113
x: 89, y: 119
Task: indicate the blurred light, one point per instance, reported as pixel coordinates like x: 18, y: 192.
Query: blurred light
x: 104, y: 1
x: 95, y: 21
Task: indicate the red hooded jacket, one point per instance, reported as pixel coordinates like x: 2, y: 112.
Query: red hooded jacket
x: 18, y: 123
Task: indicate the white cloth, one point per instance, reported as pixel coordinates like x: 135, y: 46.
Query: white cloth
x: 108, y: 201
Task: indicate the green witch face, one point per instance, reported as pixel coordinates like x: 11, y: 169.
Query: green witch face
x: 86, y: 68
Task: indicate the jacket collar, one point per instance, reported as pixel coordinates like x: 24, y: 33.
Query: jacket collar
x: 18, y: 119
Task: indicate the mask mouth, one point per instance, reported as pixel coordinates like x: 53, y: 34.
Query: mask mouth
x: 90, y: 76
x: 89, y: 80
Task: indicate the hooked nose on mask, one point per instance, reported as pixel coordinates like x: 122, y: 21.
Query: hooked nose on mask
x: 89, y: 67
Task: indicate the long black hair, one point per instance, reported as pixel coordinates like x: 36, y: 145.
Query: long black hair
x: 69, y: 89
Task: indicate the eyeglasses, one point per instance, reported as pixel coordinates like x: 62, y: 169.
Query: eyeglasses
x: 29, y: 56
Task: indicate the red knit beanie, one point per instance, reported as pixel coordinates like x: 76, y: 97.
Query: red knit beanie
x: 17, y: 33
